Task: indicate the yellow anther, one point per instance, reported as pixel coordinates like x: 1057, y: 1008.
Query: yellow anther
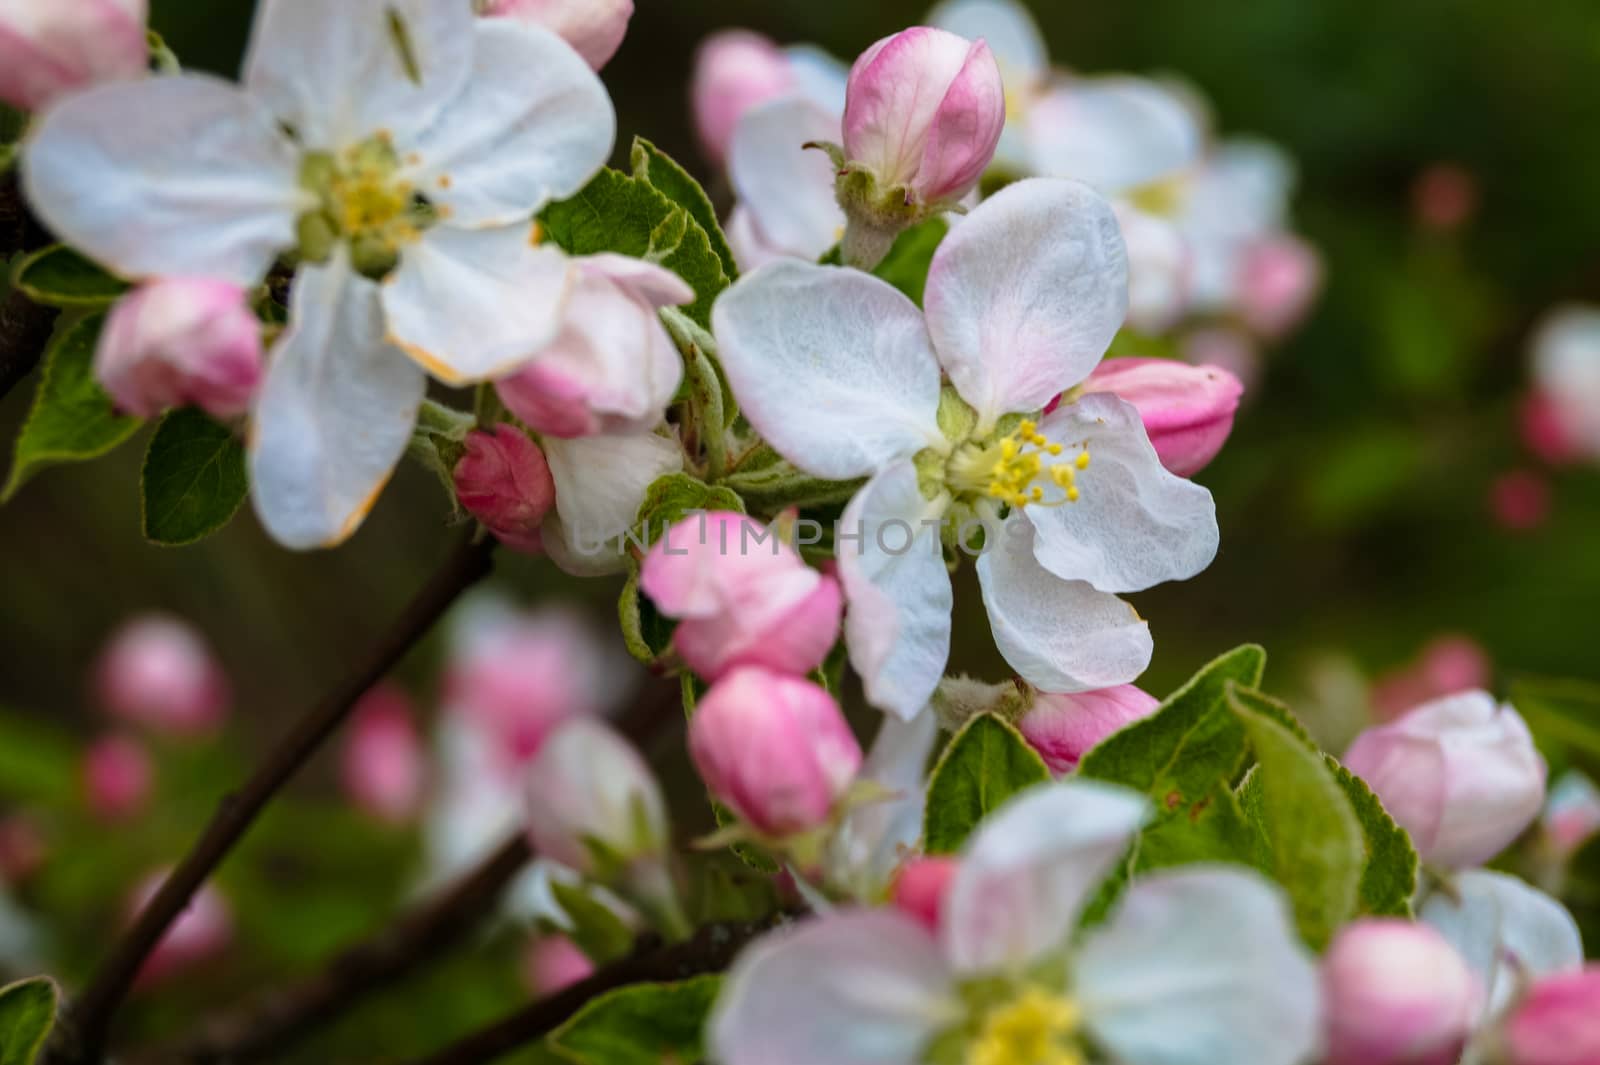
x: 1034, y: 1029
x: 1072, y: 494
x: 1083, y: 460
x: 1054, y: 449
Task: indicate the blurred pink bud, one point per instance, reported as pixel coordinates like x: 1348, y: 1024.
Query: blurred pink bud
x: 181, y: 342
x: 1187, y: 410
x: 613, y: 368
x: 48, y: 47
x: 774, y: 748
x: 1444, y: 196
x: 383, y: 763
x: 1063, y: 728
x: 587, y: 786
x: 1446, y: 666
x: 594, y: 28
x: 734, y: 71
x: 1572, y: 814
x: 552, y: 963
x: 23, y: 848
x: 919, y: 889
x: 1278, y: 281
x: 1226, y: 348
x: 117, y: 778
x: 202, y: 931
x: 1520, y: 500
x: 504, y: 482
x: 158, y: 672
x: 1544, y: 429
x: 1460, y: 774
x: 745, y: 597
x: 924, y: 110
x: 1396, y: 993
x: 1557, y: 1023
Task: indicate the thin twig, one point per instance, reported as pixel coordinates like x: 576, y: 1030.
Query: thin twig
x: 82, y: 1035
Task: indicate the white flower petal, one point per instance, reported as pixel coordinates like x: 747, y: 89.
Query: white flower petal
x: 471, y: 305
x: 170, y: 176
x: 1060, y: 636
x: 1199, y: 967
x: 533, y: 124
x: 898, y: 590
x: 340, y: 72
x: 787, y: 189
x: 1505, y: 929
x: 875, y: 837
x: 1010, y: 31
x: 1135, y: 524
x: 864, y: 987
x: 335, y: 411
x: 1025, y: 295
x: 832, y: 367
x: 1115, y: 133
x: 822, y: 78
x: 1028, y: 871
x: 600, y: 482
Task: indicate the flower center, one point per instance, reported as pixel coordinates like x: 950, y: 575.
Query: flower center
x: 1035, y: 1028
x: 363, y: 201
x: 1159, y: 198
x: 1017, y: 469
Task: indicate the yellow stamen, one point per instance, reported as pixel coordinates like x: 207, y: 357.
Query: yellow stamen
x: 1034, y: 1029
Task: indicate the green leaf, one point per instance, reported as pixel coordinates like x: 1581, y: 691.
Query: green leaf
x: 906, y: 265
x: 72, y: 418
x: 57, y: 276
x: 642, y: 1024
x: 194, y: 478
x: 617, y: 213
x: 666, y: 176
x: 675, y: 496
x: 597, y: 931
x: 1389, y: 878
x: 1315, y: 845
x: 986, y: 763
x: 27, y: 1013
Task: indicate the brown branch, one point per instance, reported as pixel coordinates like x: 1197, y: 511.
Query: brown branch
x: 82, y: 1035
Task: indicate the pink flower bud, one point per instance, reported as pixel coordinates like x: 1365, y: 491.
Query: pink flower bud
x: 48, y: 47
x: 924, y: 110
x: 1397, y: 993
x: 613, y: 368
x: 383, y: 762
x: 1544, y: 429
x: 774, y: 748
x: 734, y: 71
x: 117, y: 778
x: 181, y: 342
x: 919, y: 889
x: 1460, y: 774
x: 504, y: 482
x: 201, y: 932
x: 1187, y: 410
x: 552, y: 963
x: 1557, y: 1023
x: 1519, y: 500
x: 1572, y: 814
x: 587, y: 786
x: 157, y: 672
x: 745, y: 597
x: 1446, y: 666
x: 1063, y: 728
x: 1444, y: 196
x: 594, y: 28
x: 1278, y: 280
x: 1226, y: 348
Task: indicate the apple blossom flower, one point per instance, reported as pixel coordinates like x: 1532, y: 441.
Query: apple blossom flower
x: 382, y: 767
x: 1279, y: 279
x: 774, y: 748
x: 553, y: 962
x: 157, y: 671
x: 1566, y: 370
x: 594, y: 28
x: 1187, y: 410
x: 1447, y: 665
x: 1063, y: 727
x: 1519, y: 500
x: 1460, y: 774
x: 117, y: 778
x: 1126, y: 136
x: 840, y: 373
x: 176, y: 342
x: 1397, y: 993
x: 921, y: 887
x: 401, y: 140
x: 856, y: 986
x: 1556, y: 1023
x: 745, y: 597
x: 201, y: 931
x: 48, y: 48
x: 1236, y: 199
x: 502, y: 479
x: 734, y: 72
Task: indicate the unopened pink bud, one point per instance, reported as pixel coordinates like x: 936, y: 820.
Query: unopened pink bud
x: 504, y: 482
x: 158, y: 672
x: 924, y: 109
x: 1519, y: 500
x: 1444, y: 196
x: 1557, y: 1023
x: 49, y: 47
x: 1064, y: 728
x: 594, y: 28
x: 919, y: 889
x: 552, y: 963
x: 588, y: 787
x: 734, y: 71
x: 202, y: 930
x: 1397, y: 993
x: 1279, y: 280
x: 1544, y: 429
x: 180, y: 342
x: 1187, y: 410
x: 117, y: 778
x: 774, y: 748
x: 383, y: 762
x: 1446, y: 666
x: 1460, y: 774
